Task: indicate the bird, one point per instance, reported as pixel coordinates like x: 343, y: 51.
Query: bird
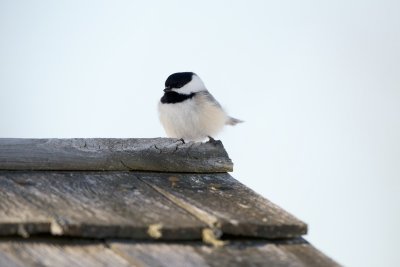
x: 189, y: 112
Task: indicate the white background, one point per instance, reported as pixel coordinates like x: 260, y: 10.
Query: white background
x: 317, y: 82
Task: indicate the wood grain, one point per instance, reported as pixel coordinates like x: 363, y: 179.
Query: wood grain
x: 18, y: 216
x: 237, y: 253
x: 224, y: 203
x: 78, y: 252
x: 90, y: 204
x: 308, y: 255
x: 160, y: 254
x: 145, y: 154
x: 52, y: 252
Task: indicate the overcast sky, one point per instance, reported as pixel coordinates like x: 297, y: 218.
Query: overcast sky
x: 317, y: 82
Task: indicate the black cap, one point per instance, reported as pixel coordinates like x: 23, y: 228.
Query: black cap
x: 179, y: 79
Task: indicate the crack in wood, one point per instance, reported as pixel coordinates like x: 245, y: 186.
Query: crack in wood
x: 88, y: 154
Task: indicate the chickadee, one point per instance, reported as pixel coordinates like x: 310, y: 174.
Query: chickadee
x: 188, y: 111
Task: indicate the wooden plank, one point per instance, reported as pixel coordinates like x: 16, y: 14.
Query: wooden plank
x: 146, y: 154
x: 308, y: 255
x: 223, y: 202
x: 236, y: 253
x: 78, y: 252
x: 18, y: 215
x: 8, y: 260
x: 160, y: 254
x: 52, y: 252
x: 90, y: 204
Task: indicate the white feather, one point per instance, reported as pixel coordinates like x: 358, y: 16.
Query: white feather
x: 194, y: 86
x: 193, y: 120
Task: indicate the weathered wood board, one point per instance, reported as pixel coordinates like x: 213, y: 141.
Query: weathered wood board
x: 236, y: 253
x: 224, y: 203
x: 58, y: 187
x: 305, y: 253
x: 18, y: 216
x: 160, y: 254
x: 145, y: 154
x: 90, y: 204
x: 58, y: 252
x: 69, y: 252
x: 140, y: 205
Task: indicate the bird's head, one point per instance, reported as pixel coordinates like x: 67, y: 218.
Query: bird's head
x: 185, y: 83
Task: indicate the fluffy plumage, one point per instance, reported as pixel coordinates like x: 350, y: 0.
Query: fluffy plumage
x: 188, y: 111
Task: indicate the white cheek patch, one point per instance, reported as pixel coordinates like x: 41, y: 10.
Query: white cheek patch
x: 194, y: 86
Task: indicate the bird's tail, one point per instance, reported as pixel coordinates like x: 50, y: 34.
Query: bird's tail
x: 233, y: 121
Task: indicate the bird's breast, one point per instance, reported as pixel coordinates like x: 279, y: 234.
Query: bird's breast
x: 192, y: 119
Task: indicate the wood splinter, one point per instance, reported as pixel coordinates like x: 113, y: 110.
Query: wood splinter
x: 210, y: 238
x: 154, y: 230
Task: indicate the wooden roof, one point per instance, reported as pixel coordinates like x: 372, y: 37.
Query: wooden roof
x: 146, y: 202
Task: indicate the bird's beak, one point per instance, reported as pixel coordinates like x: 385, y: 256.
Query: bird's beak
x: 168, y: 89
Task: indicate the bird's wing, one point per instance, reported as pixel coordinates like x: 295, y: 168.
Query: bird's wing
x: 230, y: 120
x: 211, y: 98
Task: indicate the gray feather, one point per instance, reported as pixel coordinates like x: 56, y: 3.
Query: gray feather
x: 233, y: 121
x: 210, y: 97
